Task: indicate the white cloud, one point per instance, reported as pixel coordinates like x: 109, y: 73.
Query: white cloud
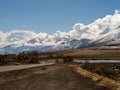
x: 80, y: 31
x: 18, y: 35
x: 98, y: 27
x: 117, y: 11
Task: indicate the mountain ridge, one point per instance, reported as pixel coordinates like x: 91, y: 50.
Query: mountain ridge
x: 96, y: 33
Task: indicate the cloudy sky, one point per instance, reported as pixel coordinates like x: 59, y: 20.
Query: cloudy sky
x: 52, y: 15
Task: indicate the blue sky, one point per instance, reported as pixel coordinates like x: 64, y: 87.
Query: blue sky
x: 52, y: 15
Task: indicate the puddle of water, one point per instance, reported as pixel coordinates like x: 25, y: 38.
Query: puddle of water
x: 96, y: 61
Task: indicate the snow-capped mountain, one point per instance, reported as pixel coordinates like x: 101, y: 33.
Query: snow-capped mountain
x: 105, y: 31
x: 110, y: 39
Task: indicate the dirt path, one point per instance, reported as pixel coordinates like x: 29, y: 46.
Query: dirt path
x: 18, y: 67
x: 54, y: 77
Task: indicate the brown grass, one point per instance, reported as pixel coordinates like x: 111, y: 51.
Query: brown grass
x: 92, y: 54
x: 101, y: 80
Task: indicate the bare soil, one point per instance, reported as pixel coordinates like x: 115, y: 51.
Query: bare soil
x: 53, y: 77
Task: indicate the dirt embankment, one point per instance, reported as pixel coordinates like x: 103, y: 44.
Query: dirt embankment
x: 54, y: 77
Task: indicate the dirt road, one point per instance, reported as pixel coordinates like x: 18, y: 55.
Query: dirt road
x: 18, y: 67
x: 54, y: 77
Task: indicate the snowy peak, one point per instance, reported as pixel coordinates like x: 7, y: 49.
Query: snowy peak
x: 105, y: 31
x: 110, y: 39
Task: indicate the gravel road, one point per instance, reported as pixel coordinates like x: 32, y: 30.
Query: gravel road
x: 53, y: 77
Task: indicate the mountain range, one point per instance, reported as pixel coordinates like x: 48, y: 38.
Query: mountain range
x: 102, y: 32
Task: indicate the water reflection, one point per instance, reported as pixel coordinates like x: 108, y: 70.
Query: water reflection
x: 96, y: 61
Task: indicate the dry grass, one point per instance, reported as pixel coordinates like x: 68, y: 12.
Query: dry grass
x: 88, y: 54
x: 94, y: 54
x: 101, y: 80
x: 110, y: 70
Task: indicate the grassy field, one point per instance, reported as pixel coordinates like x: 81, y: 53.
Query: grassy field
x: 83, y: 54
x: 92, y: 54
x: 95, y: 54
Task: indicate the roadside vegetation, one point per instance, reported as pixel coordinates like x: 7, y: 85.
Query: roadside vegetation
x: 32, y: 57
x: 110, y: 70
x: 105, y: 74
x: 21, y: 58
x: 99, y: 79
